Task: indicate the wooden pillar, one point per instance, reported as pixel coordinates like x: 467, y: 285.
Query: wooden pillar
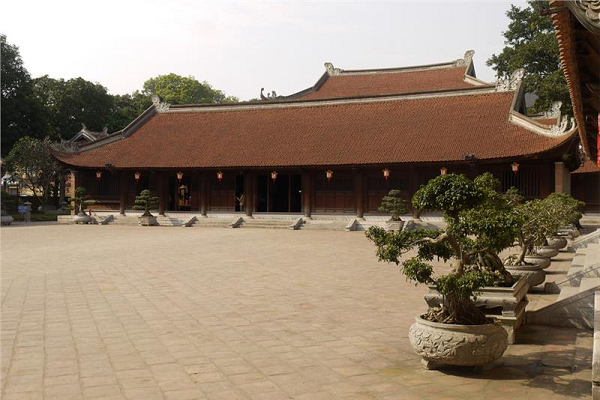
x: 359, y: 190
x: 248, y: 193
x: 307, y: 194
x: 562, y: 178
x: 123, y: 189
x: 75, y: 180
x: 162, y: 186
x: 203, y: 193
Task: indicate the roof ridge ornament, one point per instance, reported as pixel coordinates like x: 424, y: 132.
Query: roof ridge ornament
x: 560, y: 129
x: 554, y: 112
x: 331, y: 70
x: 507, y: 84
x: 160, y: 105
x: 466, y: 60
x: 270, y: 96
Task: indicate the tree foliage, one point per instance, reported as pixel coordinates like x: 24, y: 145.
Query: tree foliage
x: 393, y: 204
x: 82, y: 200
x: 177, y: 89
x: 32, y: 161
x: 479, y: 225
x: 531, y: 44
x: 22, y: 114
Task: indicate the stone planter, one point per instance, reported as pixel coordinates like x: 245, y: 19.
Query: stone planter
x: 392, y: 225
x: 452, y: 344
x: 505, y: 305
x: 532, y: 273
x: 557, y: 242
x: 546, y: 251
x: 148, y: 221
x: 570, y: 232
x: 536, y: 259
x: 82, y: 219
x: 6, y: 220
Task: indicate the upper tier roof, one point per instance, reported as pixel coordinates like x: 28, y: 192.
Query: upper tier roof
x: 339, y: 83
x: 431, y: 127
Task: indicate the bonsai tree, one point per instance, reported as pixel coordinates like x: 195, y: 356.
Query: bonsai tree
x: 393, y: 204
x: 479, y: 225
x: 541, y: 219
x: 81, y: 201
x: 146, y: 201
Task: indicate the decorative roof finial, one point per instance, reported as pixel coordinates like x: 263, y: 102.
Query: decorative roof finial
x: 269, y: 96
x: 83, y: 127
x: 560, y: 129
x: 510, y: 83
x: 467, y: 58
x: 555, y: 111
x: 159, y: 105
x: 331, y: 70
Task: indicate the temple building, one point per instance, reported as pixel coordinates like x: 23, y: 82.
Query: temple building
x: 335, y: 148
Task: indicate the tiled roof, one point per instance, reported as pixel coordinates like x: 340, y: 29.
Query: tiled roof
x: 587, y: 168
x: 382, y: 82
x: 403, y: 129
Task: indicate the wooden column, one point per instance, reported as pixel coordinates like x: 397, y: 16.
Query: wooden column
x: 203, y: 193
x: 75, y: 180
x: 123, y: 189
x: 359, y: 190
x: 307, y: 194
x: 562, y: 178
x: 248, y: 193
x: 162, y: 187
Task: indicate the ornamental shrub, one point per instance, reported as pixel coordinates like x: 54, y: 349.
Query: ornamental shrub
x: 393, y: 204
x: 146, y: 201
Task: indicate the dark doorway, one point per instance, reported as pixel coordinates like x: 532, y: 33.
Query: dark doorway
x: 239, y: 193
x: 282, y: 195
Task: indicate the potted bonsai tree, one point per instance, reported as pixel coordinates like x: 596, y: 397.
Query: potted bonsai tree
x: 394, y: 205
x: 81, y: 202
x: 455, y: 331
x: 568, y: 210
x: 146, y: 201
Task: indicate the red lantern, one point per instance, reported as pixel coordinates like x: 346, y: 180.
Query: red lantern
x: 386, y: 174
x: 220, y: 176
x: 98, y: 174
x: 179, y: 175
x: 274, y: 176
x: 515, y: 167
x: 137, y: 176
x: 329, y: 174
x: 443, y: 171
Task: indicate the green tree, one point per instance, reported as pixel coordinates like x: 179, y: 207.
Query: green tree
x: 69, y: 103
x: 32, y: 161
x: 146, y: 201
x: 393, y: 204
x: 22, y: 114
x: 531, y: 44
x: 125, y: 108
x: 177, y: 89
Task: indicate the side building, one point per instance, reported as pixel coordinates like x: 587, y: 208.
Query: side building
x: 335, y: 148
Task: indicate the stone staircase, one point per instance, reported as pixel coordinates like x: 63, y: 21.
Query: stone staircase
x: 163, y: 220
x: 583, y: 241
x: 324, y: 224
x: 268, y: 223
x: 130, y: 220
x: 213, y: 222
x: 574, y: 306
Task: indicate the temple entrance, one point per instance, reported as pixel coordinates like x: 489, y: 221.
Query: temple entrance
x: 282, y: 195
x: 180, y: 198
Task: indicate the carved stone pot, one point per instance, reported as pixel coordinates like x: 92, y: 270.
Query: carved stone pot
x: 557, y: 242
x: 536, y: 259
x: 6, y: 220
x: 546, y: 251
x: 452, y: 344
x: 82, y: 219
x: 532, y: 273
x: 571, y: 232
x: 148, y: 220
x: 392, y: 225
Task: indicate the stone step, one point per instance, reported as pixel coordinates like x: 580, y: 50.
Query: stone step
x: 264, y: 226
x: 592, y: 257
x: 211, y: 223
x: 168, y: 221
x: 324, y: 225
x: 585, y: 240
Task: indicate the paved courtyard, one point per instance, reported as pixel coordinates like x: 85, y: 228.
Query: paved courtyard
x: 118, y: 312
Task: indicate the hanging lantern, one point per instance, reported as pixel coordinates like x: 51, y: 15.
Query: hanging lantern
x: 137, y: 176
x: 98, y: 174
x: 515, y: 167
x: 274, y: 176
x: 386, y: 174
x: 329, y: 174
x: 220, y: 176
x: 179, y: 175
x: 443, y: 171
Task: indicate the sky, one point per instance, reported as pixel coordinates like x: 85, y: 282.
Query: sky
x: 239, y: 47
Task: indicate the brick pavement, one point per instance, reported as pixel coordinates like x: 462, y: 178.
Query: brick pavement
x: 118, y: 312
